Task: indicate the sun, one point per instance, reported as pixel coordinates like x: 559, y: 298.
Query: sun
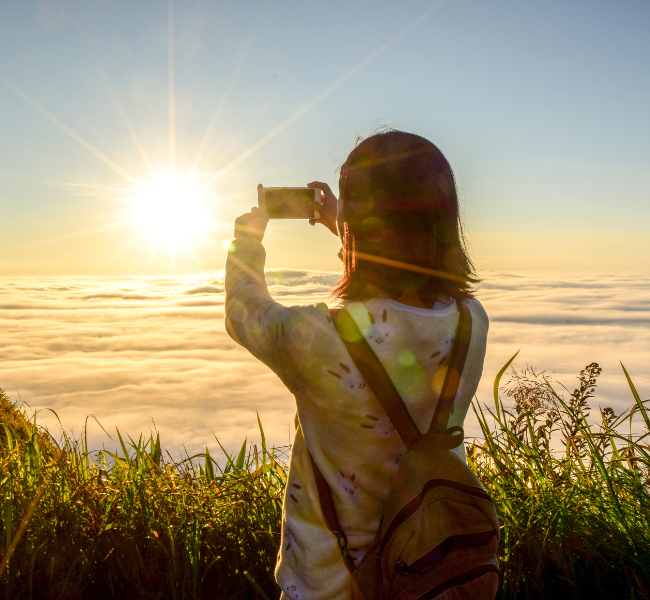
x: 171, y: 209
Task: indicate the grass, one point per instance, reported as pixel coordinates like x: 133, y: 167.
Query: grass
x: 572, y: 495
x: 571, y: 489
x: 131, y: 524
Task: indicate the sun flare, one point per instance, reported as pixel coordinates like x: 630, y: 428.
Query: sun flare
x: 171, y: 209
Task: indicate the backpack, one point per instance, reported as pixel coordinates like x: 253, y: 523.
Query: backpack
x: 439, y: 530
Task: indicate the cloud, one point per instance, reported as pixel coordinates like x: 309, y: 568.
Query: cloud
x: 204, y: 289
x: 121, y: 295
x: 142, y: 351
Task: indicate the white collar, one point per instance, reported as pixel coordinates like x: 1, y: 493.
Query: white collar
x: 439, y: 309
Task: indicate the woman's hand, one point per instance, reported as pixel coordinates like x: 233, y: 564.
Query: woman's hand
x: 253, y: 224
x: 328, y: 206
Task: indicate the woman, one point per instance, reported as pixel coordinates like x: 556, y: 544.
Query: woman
x: 397, y: 216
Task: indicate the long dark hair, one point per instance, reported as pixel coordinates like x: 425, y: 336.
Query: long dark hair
x: 400, y: 223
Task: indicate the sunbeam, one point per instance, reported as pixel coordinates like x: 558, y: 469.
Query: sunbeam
x: 196, y: 261
x: 63, y: 127
x: 171, y: 91
x: 120, y: 107
x: 153, y: 253
x: 326, y: 92
x: 217, y: 113
x: 224, y: 98
x: 123, y: 250
x: 114, y: 96
x: 62, y: 238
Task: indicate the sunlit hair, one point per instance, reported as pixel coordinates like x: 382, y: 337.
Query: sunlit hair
x: 400, y: 207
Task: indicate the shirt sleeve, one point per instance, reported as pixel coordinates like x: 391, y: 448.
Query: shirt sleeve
x: 277, y: 335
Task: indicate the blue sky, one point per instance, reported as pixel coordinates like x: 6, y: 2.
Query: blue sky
x: 541, y: 108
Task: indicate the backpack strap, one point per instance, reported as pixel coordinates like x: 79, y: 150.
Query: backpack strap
x: 382, y: 386
x: 375, y: 376
x: 330, y: 516
x: 457, y: 359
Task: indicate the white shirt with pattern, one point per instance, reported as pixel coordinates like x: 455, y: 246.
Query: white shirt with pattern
x: 339, y: 421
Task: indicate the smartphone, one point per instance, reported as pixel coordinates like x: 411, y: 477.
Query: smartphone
x: 291, y: 202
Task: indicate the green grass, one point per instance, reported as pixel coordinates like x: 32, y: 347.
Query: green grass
x: 571, y: 492
x: 571, y: 489
x: 130, y: 524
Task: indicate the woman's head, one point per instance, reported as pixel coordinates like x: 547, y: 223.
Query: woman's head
x: 398, y: 204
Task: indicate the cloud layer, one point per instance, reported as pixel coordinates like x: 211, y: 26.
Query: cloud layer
x: 144, y: 352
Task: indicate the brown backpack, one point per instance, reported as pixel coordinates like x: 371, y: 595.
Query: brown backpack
x: 439, y: 529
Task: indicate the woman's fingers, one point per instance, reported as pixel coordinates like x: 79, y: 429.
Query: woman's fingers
x: 261, y: 197
x: 316, y: 206
x: 328, y: 208
x: 323, y: 187
x: 319, y: 185
x: 253, y: 223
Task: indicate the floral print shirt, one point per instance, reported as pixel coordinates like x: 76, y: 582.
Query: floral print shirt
x: 339, y: 421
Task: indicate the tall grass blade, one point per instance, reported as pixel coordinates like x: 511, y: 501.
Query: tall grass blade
x: 254, y: 583
x: 259, y: 422
x: 497, y: 381
x: 241, y: 458
x: 209, y: 467
x: 21, y: 529
x: 639, y: 404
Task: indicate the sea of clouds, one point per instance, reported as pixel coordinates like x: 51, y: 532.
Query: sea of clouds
x: 151, y: 353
